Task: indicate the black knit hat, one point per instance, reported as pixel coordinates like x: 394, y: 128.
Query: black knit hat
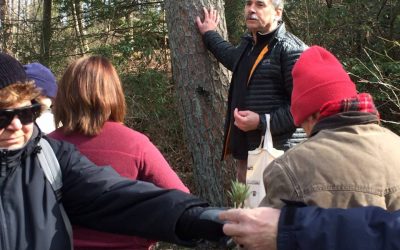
x: 11, y: 71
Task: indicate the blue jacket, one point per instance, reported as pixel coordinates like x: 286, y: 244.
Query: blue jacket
x: 363, y: 228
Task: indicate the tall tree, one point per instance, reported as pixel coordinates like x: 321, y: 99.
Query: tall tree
x: 77, y: 19
x: 5, y: 26
x: 46, y: 32
x: 3, y: 13
x: 202, y: 91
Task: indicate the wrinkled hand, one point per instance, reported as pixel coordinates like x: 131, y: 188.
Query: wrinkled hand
x: 246, y: 120
x: 211, y: 20
x: 252, y: 229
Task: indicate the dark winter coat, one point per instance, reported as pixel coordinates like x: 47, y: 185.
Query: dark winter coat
x: 268, y: 92
x: 93, y: 197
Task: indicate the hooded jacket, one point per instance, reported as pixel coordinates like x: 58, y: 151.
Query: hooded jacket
x: 94, y: 197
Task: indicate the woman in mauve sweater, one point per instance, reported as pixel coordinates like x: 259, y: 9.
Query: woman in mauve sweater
x: 91, y: 106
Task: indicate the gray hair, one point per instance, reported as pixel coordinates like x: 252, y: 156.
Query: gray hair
x: 278, y: 4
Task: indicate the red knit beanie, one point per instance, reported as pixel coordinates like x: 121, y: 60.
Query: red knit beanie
x: 318, y: 77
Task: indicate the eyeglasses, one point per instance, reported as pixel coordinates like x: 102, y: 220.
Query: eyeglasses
x: 26, y: 115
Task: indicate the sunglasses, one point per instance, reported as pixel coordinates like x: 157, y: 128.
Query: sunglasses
x: 26, y: 115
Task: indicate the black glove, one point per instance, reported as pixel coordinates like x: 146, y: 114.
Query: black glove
x: 199, y: 223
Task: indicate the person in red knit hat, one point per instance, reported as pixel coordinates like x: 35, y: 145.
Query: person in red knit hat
x: 349, y: 160
x: 91, y: 106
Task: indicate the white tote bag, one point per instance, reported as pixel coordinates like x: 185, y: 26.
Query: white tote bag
x: 258, y: 159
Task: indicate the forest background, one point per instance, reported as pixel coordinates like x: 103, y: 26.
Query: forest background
x: 176, y: 91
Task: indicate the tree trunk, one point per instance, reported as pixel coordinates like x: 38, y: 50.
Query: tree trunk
x: 5, y: 28
x: 234, y: 19
x: 3, y: 25
x: 82, y: 33
x: 329, y: 3
x: 46, y: 33
x: 75, y: 9
x: 202, y: 86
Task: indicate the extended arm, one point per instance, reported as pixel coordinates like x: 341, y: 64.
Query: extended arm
x: 309, y: 228
x: 253, y: 229
x: 98, y: 198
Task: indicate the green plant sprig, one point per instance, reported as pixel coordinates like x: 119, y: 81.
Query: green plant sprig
x: 238, y: 193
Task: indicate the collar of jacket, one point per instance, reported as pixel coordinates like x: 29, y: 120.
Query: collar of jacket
x: 12, y: 158
x: 248, y: 40
x: 345, y: 119
x: 279, y: 31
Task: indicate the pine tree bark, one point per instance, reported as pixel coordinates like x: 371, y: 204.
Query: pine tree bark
x: 202, y: 87
x: 3, y: 11
x: 46, y: 32
x: 6, y: 26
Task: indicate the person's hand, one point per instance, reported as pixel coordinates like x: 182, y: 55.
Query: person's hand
x: 246, y: 120
x: 198, y: 223
x: 211, y: 20
x: 252, y: 229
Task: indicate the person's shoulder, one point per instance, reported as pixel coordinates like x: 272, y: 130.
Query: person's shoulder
x: 56, y: 134
x: 288, y: 40
x: 388, y: 131
x: 123, y: 132
x: 59, y: 145
x: 291, y: 42
x: 293, y: 154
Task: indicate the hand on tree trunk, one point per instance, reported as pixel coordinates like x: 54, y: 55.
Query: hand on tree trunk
x: 211, y: 20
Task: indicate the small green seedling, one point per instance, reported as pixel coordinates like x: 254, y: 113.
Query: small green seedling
x: 238, y: 193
